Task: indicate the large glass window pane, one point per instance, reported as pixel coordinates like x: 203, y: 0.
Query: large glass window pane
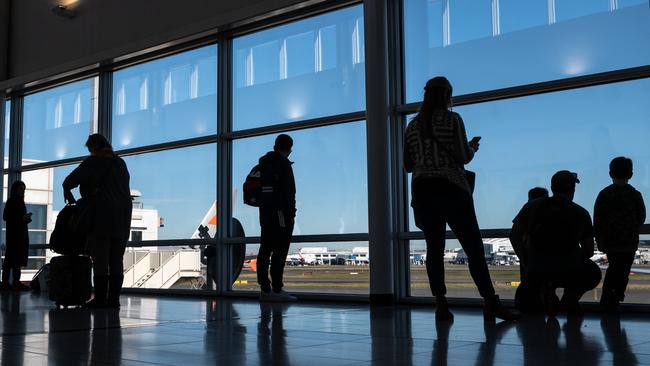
x: 569, y: 9
x: 469, y: 19
x: 625, y: 3
x: 504, y: 272
x: 515, y: 15
x: 57, y: 121
x: 331, y: 181
x: 173, y: 191
x: 528, y: 50
x: 169, y: 99
x: 7, y: 121
x: 526, y: 140
x: 306, y: 69
x: 334, y: 267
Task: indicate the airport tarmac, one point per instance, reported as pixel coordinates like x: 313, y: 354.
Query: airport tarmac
x: 355, y: 279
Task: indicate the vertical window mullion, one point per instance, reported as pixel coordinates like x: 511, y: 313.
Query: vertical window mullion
x: 104, y: 104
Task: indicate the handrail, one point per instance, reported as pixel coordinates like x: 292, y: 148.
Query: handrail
x: 135, y: 266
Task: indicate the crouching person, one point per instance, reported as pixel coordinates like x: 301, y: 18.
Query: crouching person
x: 560, y: 243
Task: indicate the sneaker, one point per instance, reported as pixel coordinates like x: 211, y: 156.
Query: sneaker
x: 266, y: 296
x: 283, y: 296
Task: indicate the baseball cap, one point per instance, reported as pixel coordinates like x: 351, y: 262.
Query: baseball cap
x: 563, y: 180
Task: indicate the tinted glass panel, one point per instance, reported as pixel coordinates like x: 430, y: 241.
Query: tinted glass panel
x: 588, y: 39
x: 526, y: 140
x: 174, y: 192
x: 331, y: 182
x: 305, y: 69
x: 7, y: 122
x: 57, y: 122
x: 340, y: 268
x: 169, y: 99
x: 515, y: 15
x: 469, y: 19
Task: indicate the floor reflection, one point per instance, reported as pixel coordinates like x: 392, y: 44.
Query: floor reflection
x: 189, y: 332
x: 271, y: 335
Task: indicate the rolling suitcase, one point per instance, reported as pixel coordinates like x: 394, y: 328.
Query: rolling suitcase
x: 70, y: 283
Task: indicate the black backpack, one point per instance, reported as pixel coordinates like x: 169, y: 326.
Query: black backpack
x: 65, y: 239
x: 258, y: 186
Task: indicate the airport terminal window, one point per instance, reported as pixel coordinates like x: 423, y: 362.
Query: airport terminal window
x: 7, y: 123
x: 331, y: 181
x: 57, y: 121
x: 469, y: 19
x: 172, y: 98
x: 527, y: 51
x: 580, y: 130
x: 516, y: 15
x: 174, y: 190
x: 332, y: 267
x: 571, y: 9
x: 44, y: 197
x: 305, y: 69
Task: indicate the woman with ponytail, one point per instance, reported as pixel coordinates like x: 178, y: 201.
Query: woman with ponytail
x: 435, y: 151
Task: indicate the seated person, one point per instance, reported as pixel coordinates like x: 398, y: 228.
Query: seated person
x: 560, y: 243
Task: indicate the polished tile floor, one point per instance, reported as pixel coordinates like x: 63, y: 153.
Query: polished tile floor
x: 192, y: 332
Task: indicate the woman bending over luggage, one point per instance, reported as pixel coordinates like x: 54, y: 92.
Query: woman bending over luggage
x: 103, y: 182
x: 17, y: 218
x: 435, y: 151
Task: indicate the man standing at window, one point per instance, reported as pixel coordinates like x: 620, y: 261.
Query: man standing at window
x: 277, y: 215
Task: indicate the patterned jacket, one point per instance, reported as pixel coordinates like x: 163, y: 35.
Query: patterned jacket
x: 442, y: 157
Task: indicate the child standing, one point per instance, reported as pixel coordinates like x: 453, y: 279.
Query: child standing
x: 618, y: 213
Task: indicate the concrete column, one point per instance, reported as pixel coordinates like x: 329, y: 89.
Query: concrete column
x: 4, y: 39
x: 380, y: 222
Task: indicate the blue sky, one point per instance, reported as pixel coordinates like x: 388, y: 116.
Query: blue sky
x: 315, y: 68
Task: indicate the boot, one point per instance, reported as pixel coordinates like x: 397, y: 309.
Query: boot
x: 442, y: 310
x: 493, y: 309
x: 101, y: 289
x: 114, y: 290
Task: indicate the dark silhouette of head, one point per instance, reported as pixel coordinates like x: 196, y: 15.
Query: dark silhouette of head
x: 98, y: 145
x: 437, y: 96
x: 621, y: 168
x: 537, y: 192
x: 563, y: 183
x: 17, y: 190
x: 283, y: 144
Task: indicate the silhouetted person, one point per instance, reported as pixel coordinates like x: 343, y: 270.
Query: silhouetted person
x: 16, y: 216
x: 103, y: 177
x: 209, y: 254
x: 527, y: 296
x: 618, y: 214
x: 435, y: 151
x: 537, y: 192
x: 560, y: 243
x: 277, y: 216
